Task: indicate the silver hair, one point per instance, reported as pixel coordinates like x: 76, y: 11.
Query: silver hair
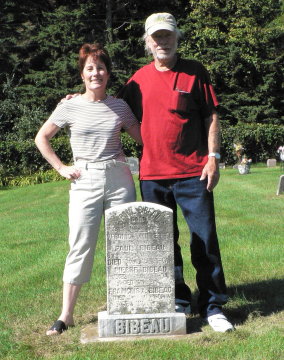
x: 148, y: 50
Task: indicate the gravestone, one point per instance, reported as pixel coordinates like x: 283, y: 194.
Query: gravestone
x: 133, y: 164
x: 271, y: 163
x: 280, y: 189
x: 140, y: 273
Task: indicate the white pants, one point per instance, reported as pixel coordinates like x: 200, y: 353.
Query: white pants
x: 101, y: 186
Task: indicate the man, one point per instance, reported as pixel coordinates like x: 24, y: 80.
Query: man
x: 175, y: 102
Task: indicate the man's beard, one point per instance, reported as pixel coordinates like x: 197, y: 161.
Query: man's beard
x: 166, y: 56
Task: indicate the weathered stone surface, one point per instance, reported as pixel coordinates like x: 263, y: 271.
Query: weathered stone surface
x: 133, y: 164
x: 141, y: 324
x: 280, y: 188
x: 271, y: 163
x: 140, y: 273
x: 140, y: 263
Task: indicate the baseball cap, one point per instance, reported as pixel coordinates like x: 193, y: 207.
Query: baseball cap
x: 160, y: 21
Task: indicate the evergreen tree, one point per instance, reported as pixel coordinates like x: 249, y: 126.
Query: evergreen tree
x: 240, y: 44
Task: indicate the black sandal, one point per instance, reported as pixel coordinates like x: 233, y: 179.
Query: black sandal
x: 59, y: 326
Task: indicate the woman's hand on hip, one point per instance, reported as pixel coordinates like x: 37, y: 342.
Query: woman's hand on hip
x: 69, y: 172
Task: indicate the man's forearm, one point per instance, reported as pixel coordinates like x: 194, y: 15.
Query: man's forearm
x: 213, y: 132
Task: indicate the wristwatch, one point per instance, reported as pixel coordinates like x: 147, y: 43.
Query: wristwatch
x: 215, y: 155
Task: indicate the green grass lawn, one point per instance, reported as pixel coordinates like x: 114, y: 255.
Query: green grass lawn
x: 33, y: 237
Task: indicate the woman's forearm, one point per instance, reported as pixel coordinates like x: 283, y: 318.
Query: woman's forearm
x: 43, y: 144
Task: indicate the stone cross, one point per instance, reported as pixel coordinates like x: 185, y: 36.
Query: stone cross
x: 140, y: 272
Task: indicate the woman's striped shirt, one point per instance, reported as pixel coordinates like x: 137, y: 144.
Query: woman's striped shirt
x: 94, y: 126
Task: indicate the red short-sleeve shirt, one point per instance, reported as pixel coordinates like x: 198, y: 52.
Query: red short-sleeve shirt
x: 172, y: 106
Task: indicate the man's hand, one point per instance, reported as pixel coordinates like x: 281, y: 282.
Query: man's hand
x: 211, y: 172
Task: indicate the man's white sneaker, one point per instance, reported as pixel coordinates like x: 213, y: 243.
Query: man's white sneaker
x: 182, y: 306
x: 220, y: 323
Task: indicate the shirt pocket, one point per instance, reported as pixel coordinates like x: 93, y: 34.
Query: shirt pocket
x: 183, y: 103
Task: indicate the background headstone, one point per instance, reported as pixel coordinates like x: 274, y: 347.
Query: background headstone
x: 133, y: 164
x: 280, y: 189
x: 140, y: 272
x: 271, y: 163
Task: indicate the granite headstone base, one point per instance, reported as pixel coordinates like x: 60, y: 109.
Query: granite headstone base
x: 124, y: 325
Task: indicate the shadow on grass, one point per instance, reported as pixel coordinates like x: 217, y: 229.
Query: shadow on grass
x: 262, y: 298
x: 255, y: 299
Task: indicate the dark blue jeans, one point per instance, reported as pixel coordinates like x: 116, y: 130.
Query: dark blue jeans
x: 197, y: 206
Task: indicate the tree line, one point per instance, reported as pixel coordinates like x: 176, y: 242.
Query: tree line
x: 239, y: 41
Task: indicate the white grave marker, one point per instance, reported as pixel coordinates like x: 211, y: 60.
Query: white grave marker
x: 140, y: 272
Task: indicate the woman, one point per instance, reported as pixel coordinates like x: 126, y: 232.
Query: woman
x: 100, y: 176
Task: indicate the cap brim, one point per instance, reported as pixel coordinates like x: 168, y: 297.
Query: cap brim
x: 160, y: 26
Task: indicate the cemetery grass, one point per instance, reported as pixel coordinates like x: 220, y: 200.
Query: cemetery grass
x: 33, y: 232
